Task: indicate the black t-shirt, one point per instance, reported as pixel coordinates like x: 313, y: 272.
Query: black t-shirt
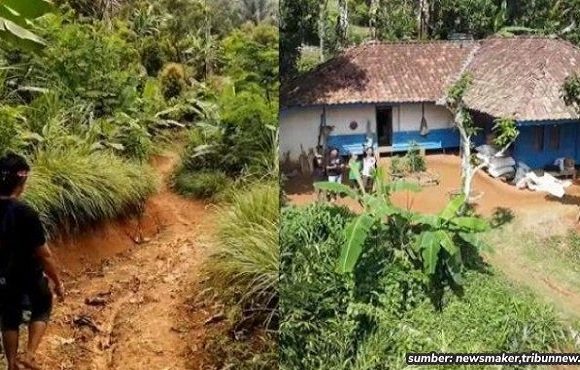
x: 21, y: 237
x: 334, y: 167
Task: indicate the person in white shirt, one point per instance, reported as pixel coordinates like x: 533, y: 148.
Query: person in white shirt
x: 369, y: 166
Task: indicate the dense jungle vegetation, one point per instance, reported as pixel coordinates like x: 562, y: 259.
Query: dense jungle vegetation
x: 91, y: 89
x: 115, y: 80
x: 332, y: 25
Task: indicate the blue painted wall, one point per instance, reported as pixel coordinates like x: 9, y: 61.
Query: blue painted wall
x: 525, y: 150
x: 436, y: 139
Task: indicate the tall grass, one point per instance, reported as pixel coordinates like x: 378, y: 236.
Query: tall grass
x: 245, y: 267
x: 72, y: 188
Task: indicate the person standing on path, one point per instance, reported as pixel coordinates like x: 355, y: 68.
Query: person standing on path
x: 26, y: 265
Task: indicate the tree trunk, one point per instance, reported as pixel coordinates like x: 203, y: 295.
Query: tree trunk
x: 342, y: 23
x: 373, y: 10
x: 322, y: 27
x: 423, y: 18
x: 466, y: 167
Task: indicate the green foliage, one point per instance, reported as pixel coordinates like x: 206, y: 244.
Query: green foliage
x: 412, y: 162
x: 400, y: 20
x: 152, y: 56
x: 415, y: 159
x: 384, y: 309
x: 90, y: 64
x: 439, y: 243
x: 201, y: 185
x: 15, y: 22
x: 173, y: 80
x: 571, y: 91
x: 241, y: 141
x: 478, y: 18
x: 244, y: 269
x: 457, y: 90
x: 251, y: 58
x: 225, y: 352
x: 506, y: 131
x: 10, y: 139
x: 71, y: 188
x: 396, y: 20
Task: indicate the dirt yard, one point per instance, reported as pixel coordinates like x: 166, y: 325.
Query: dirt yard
x: 128, y: 300
x: 432, y: 199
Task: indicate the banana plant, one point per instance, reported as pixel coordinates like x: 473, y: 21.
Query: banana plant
x: 435, y: 242
x: 438, y: 240
x: 16, y: 18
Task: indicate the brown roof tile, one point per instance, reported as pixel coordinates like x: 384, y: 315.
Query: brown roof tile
x: 519, y: 77
x: 380, y: 72
x: 522, y: 78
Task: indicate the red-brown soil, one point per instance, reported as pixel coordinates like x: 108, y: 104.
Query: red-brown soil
x: 127, y: 305
x: 432, y: 199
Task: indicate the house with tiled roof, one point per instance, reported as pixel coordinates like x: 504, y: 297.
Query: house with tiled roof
x: 393, y: 94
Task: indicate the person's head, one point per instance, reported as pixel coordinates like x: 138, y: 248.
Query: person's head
x: 370, y: 152
x: 13, y: 174
x: 333, y: 153
x: 351, y: 156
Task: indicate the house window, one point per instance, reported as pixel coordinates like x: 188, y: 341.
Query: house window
x: 539, y: 138
x: 555, y: 137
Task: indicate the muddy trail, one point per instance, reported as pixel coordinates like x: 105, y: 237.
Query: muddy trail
x: 127, y: 304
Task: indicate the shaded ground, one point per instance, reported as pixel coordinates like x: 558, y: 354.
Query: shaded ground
x: 127, y: 304
x: 521, y: 250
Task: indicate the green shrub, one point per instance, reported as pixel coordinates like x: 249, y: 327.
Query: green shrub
x: 415, y: 159
x: 72, y: 188
x: 90, y: 63
x: 244, y: 270
x: 384, y: 309
x: 152, y: 57
x: 173, y: 80
x: 11, y: 120
x: 201, y: 185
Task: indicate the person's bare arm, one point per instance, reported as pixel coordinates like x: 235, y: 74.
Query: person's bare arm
x: 49, y: 264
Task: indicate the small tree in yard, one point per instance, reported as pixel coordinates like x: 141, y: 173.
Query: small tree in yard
x: 505, y: 129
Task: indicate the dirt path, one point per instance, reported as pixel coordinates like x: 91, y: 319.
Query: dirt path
x: 130, y: 311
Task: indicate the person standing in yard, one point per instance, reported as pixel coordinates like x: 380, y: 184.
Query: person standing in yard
x: 318, y: 173
x: 334, y: 167
x: 26, y: 264
x: 353, y: 170
x: 369, y: 168
x: 334, y: 170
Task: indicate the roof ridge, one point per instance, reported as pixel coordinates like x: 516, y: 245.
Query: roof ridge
x: 411, y: 42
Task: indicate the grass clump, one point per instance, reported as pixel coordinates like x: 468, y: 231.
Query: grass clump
x: 72, y: 188
x: 202, y: 185
x: 384, y: 309
x: 243, y: 276
x: 244, y: 270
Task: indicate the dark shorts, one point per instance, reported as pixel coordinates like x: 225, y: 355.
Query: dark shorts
x: 37, y: 299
